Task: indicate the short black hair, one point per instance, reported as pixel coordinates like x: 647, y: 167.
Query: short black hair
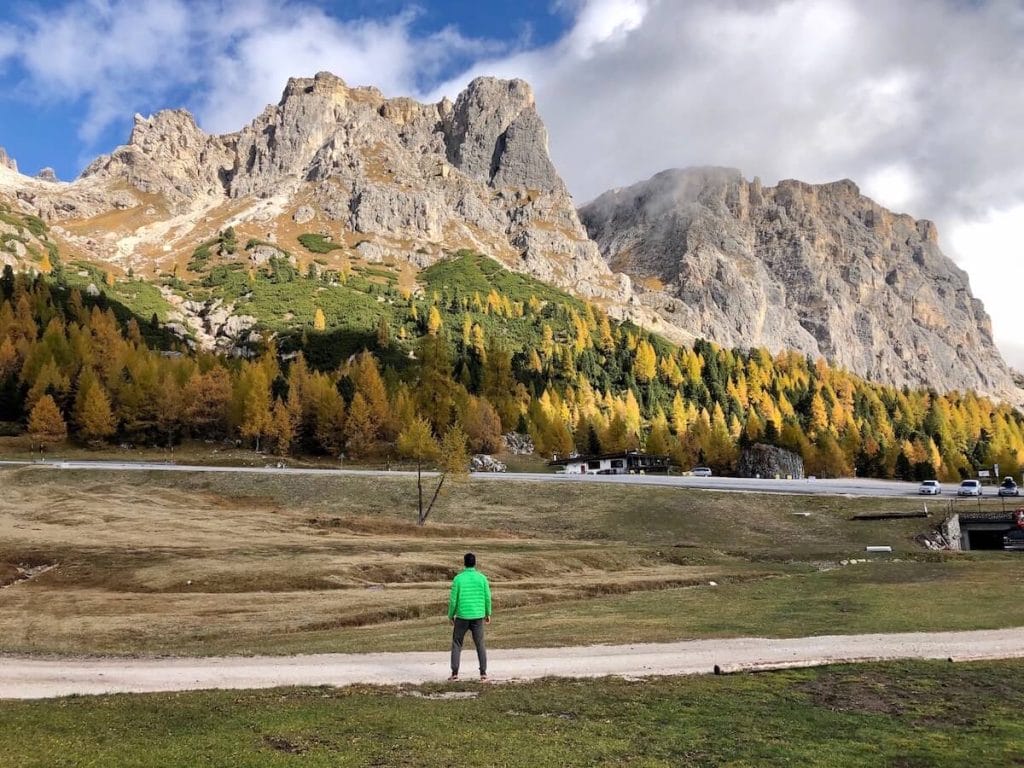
x: 469, y: 559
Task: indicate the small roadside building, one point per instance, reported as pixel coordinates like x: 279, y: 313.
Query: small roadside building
x: 623, y: 463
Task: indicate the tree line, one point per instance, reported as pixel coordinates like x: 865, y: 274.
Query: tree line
x: 73, y: 368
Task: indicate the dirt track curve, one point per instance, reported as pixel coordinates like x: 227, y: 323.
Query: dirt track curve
x: 27, y: 678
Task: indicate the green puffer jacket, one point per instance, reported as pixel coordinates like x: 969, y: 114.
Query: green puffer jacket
x: 471, y: 596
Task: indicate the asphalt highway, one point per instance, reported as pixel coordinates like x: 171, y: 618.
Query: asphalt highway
x: 814, y: 487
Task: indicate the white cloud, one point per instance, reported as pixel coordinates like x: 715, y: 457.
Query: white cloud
x: 894, y: 186
x: 233, y: 57
x: 603, y: 22
x: 109, y: 52
x: 921, y: 102
x: 991, y: 249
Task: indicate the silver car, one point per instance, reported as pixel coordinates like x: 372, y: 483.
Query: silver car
x: 969, y: 488
x: 701, y: 472
x: 930, y: 488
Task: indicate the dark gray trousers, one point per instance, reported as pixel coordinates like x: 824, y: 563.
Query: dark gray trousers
x: 476, y: 627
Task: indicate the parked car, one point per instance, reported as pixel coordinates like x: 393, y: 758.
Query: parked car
x: 701, y: 472
x: 1014, y: 541
x: 969, y: 488
x: 1008, y: 487
x: 930, y: 488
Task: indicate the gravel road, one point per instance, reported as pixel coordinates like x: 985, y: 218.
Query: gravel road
x: 28, y: 678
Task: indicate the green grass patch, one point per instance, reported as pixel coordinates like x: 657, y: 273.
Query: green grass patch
x: 141, y: 298
x: 316, y: 243
x: 469, y: 273
x: 907, y: 714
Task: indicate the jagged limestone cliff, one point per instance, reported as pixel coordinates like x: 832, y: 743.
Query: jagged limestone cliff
x: 389, y: 178
x: 816, y: 268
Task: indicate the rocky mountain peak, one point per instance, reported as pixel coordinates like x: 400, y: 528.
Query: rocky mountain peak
x: 393, y: 177
x: 7, y: 161
x: 818, y: 268
x: 495, y: 135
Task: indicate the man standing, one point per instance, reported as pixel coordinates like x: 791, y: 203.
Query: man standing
x: 469, y: 608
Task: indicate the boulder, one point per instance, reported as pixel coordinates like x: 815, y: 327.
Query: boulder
x: 481, y: 462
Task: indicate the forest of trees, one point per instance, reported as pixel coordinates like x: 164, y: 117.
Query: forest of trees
x: 463, y: 367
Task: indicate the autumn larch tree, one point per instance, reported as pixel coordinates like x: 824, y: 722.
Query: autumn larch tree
x: 46, y: 424
x: 95, y: 418
x: 417, y: 442
x: 255, y: 416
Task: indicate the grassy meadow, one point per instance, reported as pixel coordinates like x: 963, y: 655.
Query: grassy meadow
x: 158, y: 563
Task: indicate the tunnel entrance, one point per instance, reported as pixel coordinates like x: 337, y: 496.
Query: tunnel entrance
x: 985, y: 539
x: 982, y: 530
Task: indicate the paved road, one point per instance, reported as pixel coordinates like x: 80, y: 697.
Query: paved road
x: 22, y: 678
x: 838, y: 487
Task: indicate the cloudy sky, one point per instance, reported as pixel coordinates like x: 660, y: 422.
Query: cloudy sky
x: 921, y: 102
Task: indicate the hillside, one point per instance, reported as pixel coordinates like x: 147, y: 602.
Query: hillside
x: 349, y: 361
x: 819, y: 269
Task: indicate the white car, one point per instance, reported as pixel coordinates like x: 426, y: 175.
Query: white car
x: 930, y: 488
x: 1009, y: 487
x: 701, y: 472
x: 969, y: 488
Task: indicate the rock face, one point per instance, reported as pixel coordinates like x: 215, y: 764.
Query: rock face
x: 760, y: 460
x: 816, y: 268
x: 417, y: 179
x: 169, y: 155
x: 6, y: 161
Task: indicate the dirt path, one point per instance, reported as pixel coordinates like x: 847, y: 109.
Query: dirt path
x: 26, y: 678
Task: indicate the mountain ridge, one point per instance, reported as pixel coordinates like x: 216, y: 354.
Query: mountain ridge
x: 820, y: 269
x: 393, y: 181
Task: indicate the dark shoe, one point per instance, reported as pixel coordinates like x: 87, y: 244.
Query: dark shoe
x: 483, y: 678
x: 453, y: 677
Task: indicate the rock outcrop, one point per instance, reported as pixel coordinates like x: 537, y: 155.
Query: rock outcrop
x: 6, y: 161
x: 169, y: 155
x: 760, y: 460
x: 816, y: 268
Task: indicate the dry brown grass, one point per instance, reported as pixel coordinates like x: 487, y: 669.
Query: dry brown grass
x: 208, y: 563
x: 170, y: 564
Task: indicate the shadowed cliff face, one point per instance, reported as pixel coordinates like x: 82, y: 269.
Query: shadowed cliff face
x: 816, y: 268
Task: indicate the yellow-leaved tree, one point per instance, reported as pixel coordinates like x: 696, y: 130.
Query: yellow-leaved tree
x: 95, y: 418
x: 319, y: 321
x: 646, y: 364
x: 46, y: 424
x: 417, y: 442
x: 433, y: 321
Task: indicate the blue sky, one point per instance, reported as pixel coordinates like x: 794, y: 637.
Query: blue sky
x: 40, y: 131
x: 918, y: 101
